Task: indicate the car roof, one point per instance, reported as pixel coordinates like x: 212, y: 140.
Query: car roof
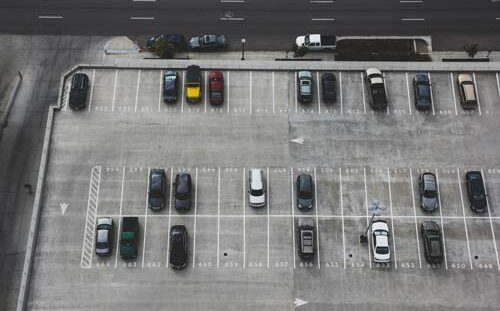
x: 305, y: 182
x: 216, y: 74
x: 182, y: 182
x: 379, y: 225
x: 256, y: 177
x: 382, y: 240
x: 102, y: 236
x: 429, y: 181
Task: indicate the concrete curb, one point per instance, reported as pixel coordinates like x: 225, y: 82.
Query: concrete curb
x: 10, y: 103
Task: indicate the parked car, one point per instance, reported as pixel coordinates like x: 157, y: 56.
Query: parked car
x: 427, y: 184
x: 305, y: 192
x: 256, y: 188
x: 183, y: 188
x: 193, y: 84
x: 433, y: 242
x: 380, y: 241
x: 178, y: 247
x: 207, y: 42
x: 129, y: 237
x: 305, y: 86
x: 157, y: 189
x: 467, y: 91
x: 328, y: 88
x: 305, y: 235
x: 376, y: 88
x: 476, y: 191
x: 104, y: 236
x: 216, y: 87
x: 78, y: 91
x: 170, y: 87
x: 178, y: 40
x: 422, y: 91
x: 317, y: 42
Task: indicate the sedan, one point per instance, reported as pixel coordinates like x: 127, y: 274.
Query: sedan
x: 380, y: 242
x: 304, y: 86
x: 183, y: 192
x: 328, y: 88
x: 422, y: 91
x: 104, y: 236
x: 178, y: 247
x: 207, y: 42
x: 170, y: 87
x: 433, y: 242
x: 427, y: 184
x: 157, y: 189
x: 177, y: 40
x: 304, y: 192
x: 216, y: 87
x: 476, y: 191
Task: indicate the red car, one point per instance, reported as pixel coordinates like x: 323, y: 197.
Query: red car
x: 216, y: 87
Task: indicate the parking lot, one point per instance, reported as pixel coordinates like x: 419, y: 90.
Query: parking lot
x: 100, y: 160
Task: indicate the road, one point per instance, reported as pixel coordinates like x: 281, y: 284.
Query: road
x: 267, y: 25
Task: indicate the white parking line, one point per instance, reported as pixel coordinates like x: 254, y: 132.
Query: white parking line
x: 452, y: 85
x: 228, y: 89
x: 491, y: 222
x: 206, y: 92
x: 114, y: 91
x: 342, y: 215
x: 465, y: 221
x: 441, y: 218
x: 170, y: 212
x: 322, y: 1
x: 415, y: 213
x: 146, y: 221
x: 322, y: 19
x: 367, y: 219
x: 250, y: 93
x: 50, y: 17
x: 232, y: 1
x: 232, y: 18
x: 432, y: 95
x: 244, y: 222
x: 477, y: 93
x: 295, y: 92
x: 160, y: 91
x: 392, y: 220
x: 274, y: 109
x: 137, y: 90
x: 218, y: 216
x: 195, y: 213
x: 183, y: 88
x: 411, y: 1
x: 363, y: 91
x: 413, y: 19
x: 317, y: 219
x: 293, y: 216
x: 268, y: 207
x: 319, y: 97
x: 142, y: 18
x: 408, y: 92
x: 498, y: 85
x: 120, y: 218
x: 340, y: 91
x: 92, y: 89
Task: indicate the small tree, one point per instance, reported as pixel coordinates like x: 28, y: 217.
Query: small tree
x: 471, y: 49
x: 164, y: 49
x: 299, y: 51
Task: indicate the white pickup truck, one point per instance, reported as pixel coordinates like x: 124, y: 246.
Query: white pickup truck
x: 316, y: 42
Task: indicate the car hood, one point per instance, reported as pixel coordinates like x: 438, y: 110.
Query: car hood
x: 300, y: 40
x: 193, y: 91
x: 479, y: 205
x: 304, y: 203
x: 178, y: 258
x: 194, y: 42
x: 258, y: 200
x: 429, y: 204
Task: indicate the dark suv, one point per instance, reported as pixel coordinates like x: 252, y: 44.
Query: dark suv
x: 305, y: 237
x: 170, y: 87
x: 157, y: 189
x: 304, y: 192
x: 433, y: 243
x: 78, y: 91
x: 178, y: 247
x: 182, y: 192
x: 476, y: 191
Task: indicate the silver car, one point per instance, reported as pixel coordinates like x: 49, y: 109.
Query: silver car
x: 256, y: 188
x: 104, y: 236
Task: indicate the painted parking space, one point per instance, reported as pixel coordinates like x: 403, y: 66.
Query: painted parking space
x: 279, y: 194
x: 256, y: 242
x: 488, y: 93
x: 148, y: 91
x: 450, y: 192
x: 397, y: 93
x: 328, y: 188
x: 103, y: 90
x: 124, y: 98
x: 262, y: 101
x: 407, y: 253
x: 233, y: 194
x: 331, y: 241
x: 240, y: 93
x: 207, y: 188
x: 482, y: 246
x: 204, y: 246
x: 354, y: 196
x: 354, y: 100
x: 231, y: 248
x: 403, y: 191
x: 281, y: 244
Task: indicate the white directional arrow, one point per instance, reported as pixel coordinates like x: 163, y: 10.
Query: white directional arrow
x: 64, y: 207
x: 299, y: 302
x: 298, y: 140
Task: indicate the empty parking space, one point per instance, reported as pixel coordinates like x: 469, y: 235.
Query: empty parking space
x: 492, y: 183
x: 233, y: 191
x: 281, y: 245
x: 403, y: 200
x: 135, y: 191
x: 103, y: 89
x: 353, y: 90
x: 257, y: 233
x: 397, y: 93
x: 154, y: 240
x: 328, y: 191
x: 450, y: 192
x: 357, y: 255
x: 208, y: 196
x: 240, y: 89
x: 457, y: 246
x: 110, y: 191
x: 148, y: 88
x: 124, y: 98
x: 262, y: 101
x: 205, y: 239
x: 488, y: 93
x: 331, y: 241
x: 481, y: 242
x: 283, y: 95
x: 445, y: 104
x: 231, y: 243
x: 407, y: 254
x: 354, y: 191
x: 279, y: 191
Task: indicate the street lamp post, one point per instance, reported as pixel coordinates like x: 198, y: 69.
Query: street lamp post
x: 376, y: 209
x: 243, y: 48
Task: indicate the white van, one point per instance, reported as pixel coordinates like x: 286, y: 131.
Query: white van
x: 256, y: 191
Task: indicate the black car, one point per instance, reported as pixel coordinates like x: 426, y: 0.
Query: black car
x: 422, y: 91
x: 178, y: 247
x: 433, y: 242
x: 305, y: 235
x: 177, y: 40
x: 328, y: 88
x: 183, y: 192
x: 207, y: 42
x: 476, y: 191
x: 304, y: 192
x: 427, y: 184
x: 170, y: 87
x: 78, y: 91
x: 157, y: 189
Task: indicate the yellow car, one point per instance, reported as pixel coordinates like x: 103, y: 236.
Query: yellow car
x: 193, y: 84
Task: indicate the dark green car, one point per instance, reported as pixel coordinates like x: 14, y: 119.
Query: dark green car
x: 305, y: 193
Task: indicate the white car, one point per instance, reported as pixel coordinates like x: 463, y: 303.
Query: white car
x: 380, y: 241
x: 256, y: 188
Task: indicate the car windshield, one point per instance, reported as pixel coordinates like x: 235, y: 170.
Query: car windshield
x: 305, y: 194
x: 256, y: 192
x: 429, y: 193
x: 306, y: 40
x: 383, y: 250
x: 193, y: 84
x: 101, y: 245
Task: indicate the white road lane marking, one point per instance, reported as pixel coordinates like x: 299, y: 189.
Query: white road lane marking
x: 363, y: 91
x: 232, y: 1
x: 268, y: 208
x: 218, y: 216
x: 90, y: 218
x: 206, y: 91
x: 160, y: 90
x: 250, y: 92
x: 498, y: 85
x: 392, y: 220
x: 322, y: 1
x: 319, y: 97
x: 340, y: 91
x: 142, y: 18
x: 244, y: 222
x: 293, y: 216
x: 408, y: 92
x: 322, y: 19
x: 137, y: 90
x: 195, y: 213
x: 169, y: 212
x: 491, y: 222
x: 274, y: 109
x: 114, y: 91
x: 92, y: 89
x: 452, y: 85
x: 50, y: 17
x: 144, y: 0
x: 415, y: 213
x: 465, y: 221
x: 441, y: 218
x: 413, y: 19
x: 232, y: 19
x: 411, y: 1
x: 120, y: 217
x: 146, y: 220
x: 432, y: 95
x: 227, y: 91
x: 183, y: 89
x: 367, y: 219
x: 295, y: 92
x: 477, y: 93
x: 317, y: 218
x: 342, y: 215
